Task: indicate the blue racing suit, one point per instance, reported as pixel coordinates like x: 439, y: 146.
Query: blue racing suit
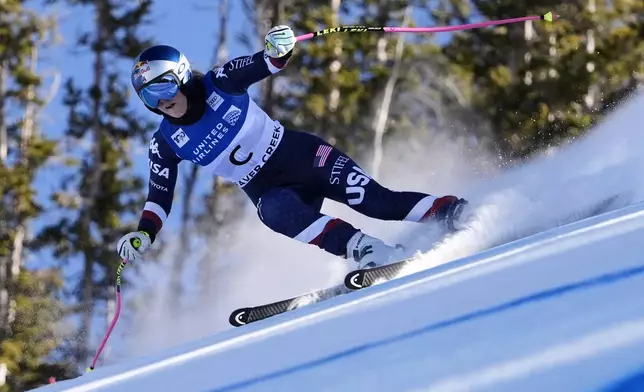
x: 286, y: 173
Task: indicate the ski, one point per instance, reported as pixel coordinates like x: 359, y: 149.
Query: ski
x: 243, y: 316
x: 361, y: 278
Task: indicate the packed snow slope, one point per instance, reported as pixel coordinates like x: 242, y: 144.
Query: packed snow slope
x: 559, y: 309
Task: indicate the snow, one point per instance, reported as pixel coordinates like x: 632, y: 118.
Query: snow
x: 563, y: 312
x: 561, y: 309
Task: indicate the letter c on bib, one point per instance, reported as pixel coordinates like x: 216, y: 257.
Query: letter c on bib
x: 237, y: 162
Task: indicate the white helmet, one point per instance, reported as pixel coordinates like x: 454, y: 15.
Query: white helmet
x: 158, y: 73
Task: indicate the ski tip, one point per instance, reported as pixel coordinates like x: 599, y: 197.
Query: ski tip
x: 549, y: 16
x: 239, y: 317
x: 354, y: 280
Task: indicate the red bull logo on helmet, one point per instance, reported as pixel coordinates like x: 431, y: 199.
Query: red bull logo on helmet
x: 137, y: 73
x: 142, y: 66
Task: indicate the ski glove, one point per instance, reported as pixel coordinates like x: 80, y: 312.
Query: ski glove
x: 132, y: 245
x: 279, y: 41
x: 447, y: 209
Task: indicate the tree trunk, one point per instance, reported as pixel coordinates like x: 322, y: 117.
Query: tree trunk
x: 382, y: 19
x: 220, y: 54
x: 334, y: 95
x: 380, y: 120
x: 333, y: 99
x: 28, y: 129
x: 4, y: 142
x: 94, y: 175
x: 4, y: 219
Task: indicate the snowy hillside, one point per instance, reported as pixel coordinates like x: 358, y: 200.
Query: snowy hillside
x: 561, y: 310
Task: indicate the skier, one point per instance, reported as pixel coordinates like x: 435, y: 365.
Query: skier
x: 211, y: 121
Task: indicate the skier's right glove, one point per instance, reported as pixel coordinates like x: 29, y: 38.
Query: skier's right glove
x: 132, y: 245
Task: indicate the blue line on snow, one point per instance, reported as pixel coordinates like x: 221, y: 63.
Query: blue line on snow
x: 600, y: 280
x: 632, y: 383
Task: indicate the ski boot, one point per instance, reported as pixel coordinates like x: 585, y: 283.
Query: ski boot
x: 370, y: 252
x: 446, y: 209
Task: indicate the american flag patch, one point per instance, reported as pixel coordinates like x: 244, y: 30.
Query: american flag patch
x: 322, y: 155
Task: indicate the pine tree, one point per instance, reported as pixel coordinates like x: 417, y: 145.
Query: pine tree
x: 539, y: 83
x: 102, y: 194
x: 34, y: 332
x: 29, y: 307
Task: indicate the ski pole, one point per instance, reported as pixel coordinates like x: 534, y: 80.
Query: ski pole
x: 439, y: 29
x: 119, y: 271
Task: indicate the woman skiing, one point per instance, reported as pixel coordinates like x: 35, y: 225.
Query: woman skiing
x: 212, y: 121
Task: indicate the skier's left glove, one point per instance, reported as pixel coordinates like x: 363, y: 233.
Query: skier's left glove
x: 447, y: 209
x: 132, y: 245
x: 280, y: 40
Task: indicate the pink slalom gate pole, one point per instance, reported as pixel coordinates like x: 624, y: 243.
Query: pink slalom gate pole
x: 119, y: 271
x: 439, y: 29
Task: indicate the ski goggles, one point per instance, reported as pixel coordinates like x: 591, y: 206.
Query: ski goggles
x: 163, y: 87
